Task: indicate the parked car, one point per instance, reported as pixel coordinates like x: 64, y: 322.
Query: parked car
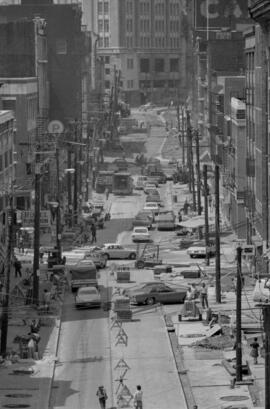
x: 154, y: 292
x: 96, y: 254
x: 153, y: 206
x: 198, y: 249
x: 154, y: 199
x: 140, y: 182
x: 149, y: 187
x: 116, y: 251
x: 166, y: 221
x: 142, y: 219
x: 140, y: 234
x: 87, y: 297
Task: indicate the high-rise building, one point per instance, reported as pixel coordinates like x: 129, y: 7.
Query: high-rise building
x: 146, y: 41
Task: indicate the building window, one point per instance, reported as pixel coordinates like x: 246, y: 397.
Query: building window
x: 129, y: 25
x: 144, y: 65
x: 107, y: 59
x: 129, y: 42
x: 100, y: 8
x: 159, y: 84
x: 100, y: 42
x: 106, y: 26
x: 106, y: 42
x: 159, y: 65
x: 107, y: 84
x: 174, y: 64
x: 100, y: 26
x: 106, y: 7
x: 130, y: 64
x: 61, y: 46
x: 107, y: 71
x: 6, y: 160
x: 130, y: 84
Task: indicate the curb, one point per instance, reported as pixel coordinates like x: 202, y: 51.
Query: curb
x: 181, y: 370
x: 58, y: 324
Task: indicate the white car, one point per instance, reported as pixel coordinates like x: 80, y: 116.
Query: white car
x: 87, y: 297
x: 140, y: 234
x: 153, y: 206
x: 116, y: 251
x: 148, y: 187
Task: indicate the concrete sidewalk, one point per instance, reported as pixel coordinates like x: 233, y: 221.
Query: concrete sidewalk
x: 28, y: 381
x: 150, y: 359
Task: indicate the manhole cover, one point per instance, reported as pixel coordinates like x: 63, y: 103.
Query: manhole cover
x: 16, y: 405
x: 18, y: 395
x: 234, y: 398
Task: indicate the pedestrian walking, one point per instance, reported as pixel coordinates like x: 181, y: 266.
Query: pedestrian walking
x: 204, y: 296
x: 18, y: 267
x: 102, y: 396
x: 31, y: 348
x: 94, y: 233
x: 46, y: 299
x: 138, y: 403
x: 254, y: 353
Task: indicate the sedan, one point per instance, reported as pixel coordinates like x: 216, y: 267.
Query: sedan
x: 198, y: 249
x: 153, y: 206
x: 87, y: 297
x: 142, y: 220
x: 153, y: 292
x: 140, y: 234
x: 116, y: 251
x: 149, y: 187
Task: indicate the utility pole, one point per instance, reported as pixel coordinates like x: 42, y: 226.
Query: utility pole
x: 69, y: 187
x: 189, y: 149
x: 206, y: 221
x: 36, y: 232
x: 217, y: 223
x: 58, y: 211
x: 198, y: 173
x: 75, y: 188
x: 238, y: 316
x: 192, y: 178
x: 4, y: 322
x: 266, y: 321
x: 183, y: 136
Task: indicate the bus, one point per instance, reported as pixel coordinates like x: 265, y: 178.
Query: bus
x: 122, y: 183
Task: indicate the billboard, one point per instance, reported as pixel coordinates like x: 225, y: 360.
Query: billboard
x: 216, y: 14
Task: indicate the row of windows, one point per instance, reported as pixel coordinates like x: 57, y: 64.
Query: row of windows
x: 103, y: 7
x: 104, y: 42
x: 5, y: 126
x: 130, y: 63
x: 103, y: 26
x: 6, y: 159
x: 147, y: 84
x: 157, y: 42
x: 129, y: 7
x: 144, y: 7
x: 145, y: 25
x: 159, y: 65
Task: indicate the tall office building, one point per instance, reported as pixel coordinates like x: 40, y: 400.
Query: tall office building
x: 146, y: 41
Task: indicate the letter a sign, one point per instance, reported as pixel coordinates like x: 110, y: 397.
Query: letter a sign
x: 55, y: 126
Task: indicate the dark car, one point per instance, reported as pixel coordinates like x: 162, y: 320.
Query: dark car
x: 142, y: 219
x: 154, y: 292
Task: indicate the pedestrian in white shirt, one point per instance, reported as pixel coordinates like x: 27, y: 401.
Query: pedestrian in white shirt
x: 138, y: 398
